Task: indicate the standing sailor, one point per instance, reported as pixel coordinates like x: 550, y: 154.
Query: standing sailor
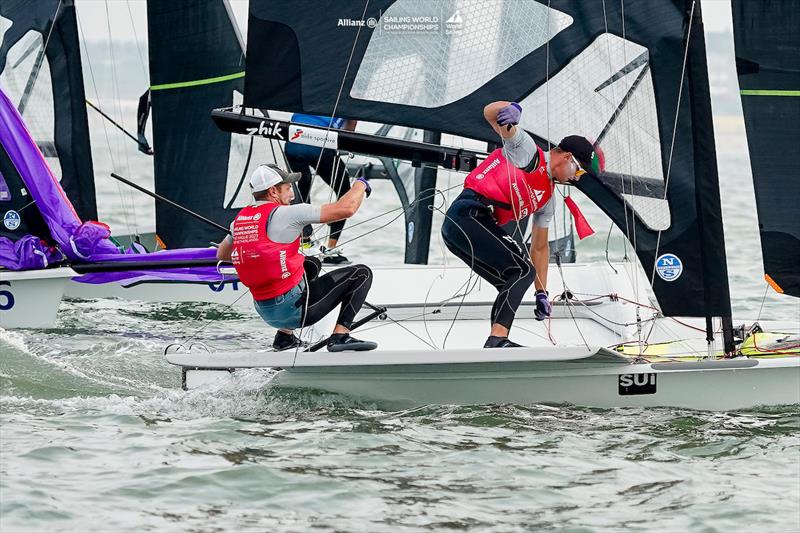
x: 510, y: 184
x: 265, y: 249
x: 330, y: 167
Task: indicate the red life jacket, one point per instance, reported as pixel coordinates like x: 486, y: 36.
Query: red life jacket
x: 514, y: 193
x: 267, y: 268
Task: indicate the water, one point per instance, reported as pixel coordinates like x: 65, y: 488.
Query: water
x: 95, y: 432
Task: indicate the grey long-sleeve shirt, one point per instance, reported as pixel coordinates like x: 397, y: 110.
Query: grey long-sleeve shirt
x: 520, y: 150
x: 286, y: 222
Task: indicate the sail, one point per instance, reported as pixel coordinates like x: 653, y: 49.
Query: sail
x: 632, y: 78
x: 46, y: 85
x: 767, y: 42
x: 197, y: 64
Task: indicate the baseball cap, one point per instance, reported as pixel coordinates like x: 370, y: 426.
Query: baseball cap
x: 584, y: 153
x: 266, y: 176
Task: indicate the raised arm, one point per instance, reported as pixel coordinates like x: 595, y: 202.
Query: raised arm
x: 500, y: 116
x: 347, y: 205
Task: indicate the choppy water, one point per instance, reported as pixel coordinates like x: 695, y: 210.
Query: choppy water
x: 96, y: 434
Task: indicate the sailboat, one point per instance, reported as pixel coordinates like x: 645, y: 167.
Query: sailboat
x: 636, y: 82
x: 196, y: 63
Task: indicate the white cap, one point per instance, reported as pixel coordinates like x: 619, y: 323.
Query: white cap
x: 266, y: 176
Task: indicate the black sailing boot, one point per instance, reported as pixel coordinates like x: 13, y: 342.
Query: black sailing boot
x: 500, y: 342
x: 286, y: 341
x: 342, y: 342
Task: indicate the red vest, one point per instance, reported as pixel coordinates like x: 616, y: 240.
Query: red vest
x: 515, y: 193
x: 267, y: 268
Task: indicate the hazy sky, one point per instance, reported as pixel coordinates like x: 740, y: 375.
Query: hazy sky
x: 92, y: 14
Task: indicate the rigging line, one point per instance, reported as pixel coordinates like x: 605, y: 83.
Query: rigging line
x: 115, y: 123
x: 630, y: 162
x: 469, y: 278
x: 569, y: 304
x: 105, y: 128
x: 118, y: 101
x: 403, y: 208
x: 763, y: 299
x: 244, y: 175
x: 608, y: 241
x: 674, y: 131
x: 339, y: 94
x: 38, y: 64
x: 138, y: 47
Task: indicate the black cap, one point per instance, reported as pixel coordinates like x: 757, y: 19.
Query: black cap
x: 584, y: 152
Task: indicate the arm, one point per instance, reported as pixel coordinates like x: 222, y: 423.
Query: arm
x: 225, y: 248
x: 540, y: 256
x: 346, y: 206
x: 490, y: 114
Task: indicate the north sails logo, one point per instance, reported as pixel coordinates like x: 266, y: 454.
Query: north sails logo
x: 267, y: 129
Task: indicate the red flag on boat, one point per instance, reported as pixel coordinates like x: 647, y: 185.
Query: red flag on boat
x: 581, y: 224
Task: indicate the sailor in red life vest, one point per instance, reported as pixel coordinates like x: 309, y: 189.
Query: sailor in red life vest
x: 511, y: 184
x: 264, y: 246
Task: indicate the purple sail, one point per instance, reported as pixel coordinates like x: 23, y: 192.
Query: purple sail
x: 28, y: 253
x: 83, y: 243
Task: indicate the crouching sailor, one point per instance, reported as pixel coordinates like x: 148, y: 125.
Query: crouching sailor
x: 510, y: 184
x: 264, y: 248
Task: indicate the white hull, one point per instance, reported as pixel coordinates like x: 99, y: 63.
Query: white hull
x: 230, y: 293
x: 30, y: 299
x: 593, y: 377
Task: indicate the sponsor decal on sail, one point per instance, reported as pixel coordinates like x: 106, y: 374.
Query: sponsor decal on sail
x: 669, y: 267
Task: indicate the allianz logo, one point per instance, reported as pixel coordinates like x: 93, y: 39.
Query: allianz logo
x: 257, y: 216
x: 482, y: 174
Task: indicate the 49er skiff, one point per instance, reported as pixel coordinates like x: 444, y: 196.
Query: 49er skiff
x: 636, y: 82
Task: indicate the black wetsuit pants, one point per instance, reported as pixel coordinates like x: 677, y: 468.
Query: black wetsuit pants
x: 347, y: 286
x: 471, y: 232
x: 331, y: 169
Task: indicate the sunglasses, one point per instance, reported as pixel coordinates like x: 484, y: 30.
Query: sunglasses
x: 579, y: 171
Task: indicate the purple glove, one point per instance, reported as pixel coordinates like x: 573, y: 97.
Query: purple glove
x: 543, y: 307
x: 366, y: 184
x: 509, y: 115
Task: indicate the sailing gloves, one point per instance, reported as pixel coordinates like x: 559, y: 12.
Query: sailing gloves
x: 543, y: 307
x: 366, y: 185
x: 510, y: 115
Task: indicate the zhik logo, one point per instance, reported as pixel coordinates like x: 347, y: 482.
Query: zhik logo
x: 267, y: 129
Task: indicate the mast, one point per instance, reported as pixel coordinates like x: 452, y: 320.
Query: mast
x: 418, y: 229
x: 709, y: 210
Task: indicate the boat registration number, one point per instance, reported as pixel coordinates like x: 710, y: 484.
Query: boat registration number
x: 633, y: 384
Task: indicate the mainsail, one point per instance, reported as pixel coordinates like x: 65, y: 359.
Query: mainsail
x: 41, y: 70
x: 197, y: 64
x: 634, y: 80
x: 767, y: 40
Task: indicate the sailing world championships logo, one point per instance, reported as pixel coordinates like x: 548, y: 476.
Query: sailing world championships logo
x: 669, y: 267
x: 12, y: 220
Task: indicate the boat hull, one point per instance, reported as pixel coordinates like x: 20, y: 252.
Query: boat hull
x: 30, y: 299
x: 593, y: 377
x: 712, y: 385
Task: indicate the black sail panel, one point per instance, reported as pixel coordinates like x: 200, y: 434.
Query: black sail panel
x: 49, y: 81
x: 635, y: 81
x: 767, y: 40
x: 196, y: 64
